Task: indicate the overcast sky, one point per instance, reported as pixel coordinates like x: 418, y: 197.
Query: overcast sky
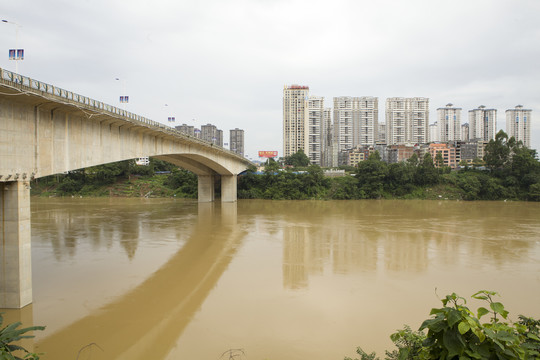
x: 225, y: 62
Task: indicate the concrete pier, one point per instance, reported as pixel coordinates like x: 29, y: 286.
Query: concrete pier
x: 15, y: 240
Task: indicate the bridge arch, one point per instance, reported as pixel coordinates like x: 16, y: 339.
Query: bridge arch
x: 46, y: 130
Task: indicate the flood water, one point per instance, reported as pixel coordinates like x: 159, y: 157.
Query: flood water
x: 174, y: 279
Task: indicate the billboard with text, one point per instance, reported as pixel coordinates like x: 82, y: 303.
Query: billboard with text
x: 267, y: 154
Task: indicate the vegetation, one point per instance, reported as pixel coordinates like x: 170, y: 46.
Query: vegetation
x: 455, y: 332
x: 11, y: 334
x: 122, y: 179
x: 511, y: 172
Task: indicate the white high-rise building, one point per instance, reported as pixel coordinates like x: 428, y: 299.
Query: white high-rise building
x: 315, y: 129
x: 343, y: 122
x: 356, y: 121
x: 381, y: 134
x: 407, y: 120
x: 482, y: 123
x: 368, y: 122
x: 518, y: 124
x: 433, y: 132
x: 295, y: 119
x: 449, y: 120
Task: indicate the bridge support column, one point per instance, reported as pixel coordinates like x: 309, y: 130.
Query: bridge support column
x: 205, y: 188
x: 15, y: 241
x: 228, y: 188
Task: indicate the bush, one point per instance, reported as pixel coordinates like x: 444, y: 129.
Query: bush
x: 454, y: 332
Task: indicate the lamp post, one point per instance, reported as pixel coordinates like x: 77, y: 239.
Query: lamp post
x: 124, y: 99
x: 15, y: 54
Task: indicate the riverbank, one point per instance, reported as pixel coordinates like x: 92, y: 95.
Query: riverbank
x: 160, y: 186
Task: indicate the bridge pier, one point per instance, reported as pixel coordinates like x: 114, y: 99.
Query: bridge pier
x: 228, y: 188
x: 205, y: 188
x: 15, y: 240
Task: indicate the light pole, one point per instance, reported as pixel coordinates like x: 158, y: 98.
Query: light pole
x: 124, y: 99
x: 15, y: 54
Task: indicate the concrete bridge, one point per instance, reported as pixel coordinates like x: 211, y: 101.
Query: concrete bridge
x: 45, y: 130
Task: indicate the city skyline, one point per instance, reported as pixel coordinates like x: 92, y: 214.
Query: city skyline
x: 225, y: 63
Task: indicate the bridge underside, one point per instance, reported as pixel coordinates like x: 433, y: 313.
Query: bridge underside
x: 45, y: 130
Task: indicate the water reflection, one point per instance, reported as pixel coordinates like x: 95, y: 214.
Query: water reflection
x: 167, y: 279
x: 406, y: 236
x: 145, y: 322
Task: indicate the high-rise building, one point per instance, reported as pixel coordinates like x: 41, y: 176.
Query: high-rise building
x: 368, y: 122
x: 465, y: 132
x: 433, y: 132
x: 518, y: 124
x: 482, y: 124
x: 295, y: 119
x: 327, y: 142
x: 407, y: 120
x: 381, y: 134
x: 449, y: 121
x: 356, y: 121
x: 236, y: 141
x: 343, y: 122
x: 315, y: 129
x: 212, y: 134
x: 186, y: 129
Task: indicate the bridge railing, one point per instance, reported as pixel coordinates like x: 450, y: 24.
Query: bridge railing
x: 25, y: 83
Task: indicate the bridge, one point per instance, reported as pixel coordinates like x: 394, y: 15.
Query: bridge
x: 46, y: 130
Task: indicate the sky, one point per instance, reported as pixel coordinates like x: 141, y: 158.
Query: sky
x: 226, y: 62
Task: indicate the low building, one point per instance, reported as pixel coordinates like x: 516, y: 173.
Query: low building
x: 448, y: 154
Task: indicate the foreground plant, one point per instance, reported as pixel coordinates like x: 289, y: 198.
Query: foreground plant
x: 11, y: 334
x: 454, y: 332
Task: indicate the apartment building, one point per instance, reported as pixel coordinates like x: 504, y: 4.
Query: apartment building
x: 315, y: 129
x: 448, y: 154
x: 295, y: 119
x: 356, y: 121
x: 482, y: 124
x: 449, y: 121
x: 236, y: 141
x: 518, y: 124
x: 212, y: 134
x: 407, y: 120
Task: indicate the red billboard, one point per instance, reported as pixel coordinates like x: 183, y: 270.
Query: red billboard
x: 267, y: 154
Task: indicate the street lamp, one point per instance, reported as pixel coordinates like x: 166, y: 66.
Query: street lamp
x: 15, y: 54
x: 124, y: 99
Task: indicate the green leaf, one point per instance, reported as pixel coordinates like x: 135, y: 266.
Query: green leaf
x: 499, y: 308
x: 482, y: 311
x: 454, y: 317
x: 453, y: 343
x: 463, y: 327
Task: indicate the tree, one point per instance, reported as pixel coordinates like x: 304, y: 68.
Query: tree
x: 426, y: 173
x: 371, y: 175
x: 298, y: 159
x: 497, y: 151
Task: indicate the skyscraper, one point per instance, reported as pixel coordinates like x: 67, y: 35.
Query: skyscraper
x: 212, y: 134
x: 449, y: 121
x: 518, y: 124
x: 315, y: 128
x: 368, y: 123
x: 482, y: 123
x: 407, y: 120
x: 295, y: 116
x: 356, y: 121
x: 236, y: 141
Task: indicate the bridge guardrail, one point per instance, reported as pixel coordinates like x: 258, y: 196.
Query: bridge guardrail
x: 20, y: 81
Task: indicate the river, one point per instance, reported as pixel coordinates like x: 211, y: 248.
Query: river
x: 174, y: 279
